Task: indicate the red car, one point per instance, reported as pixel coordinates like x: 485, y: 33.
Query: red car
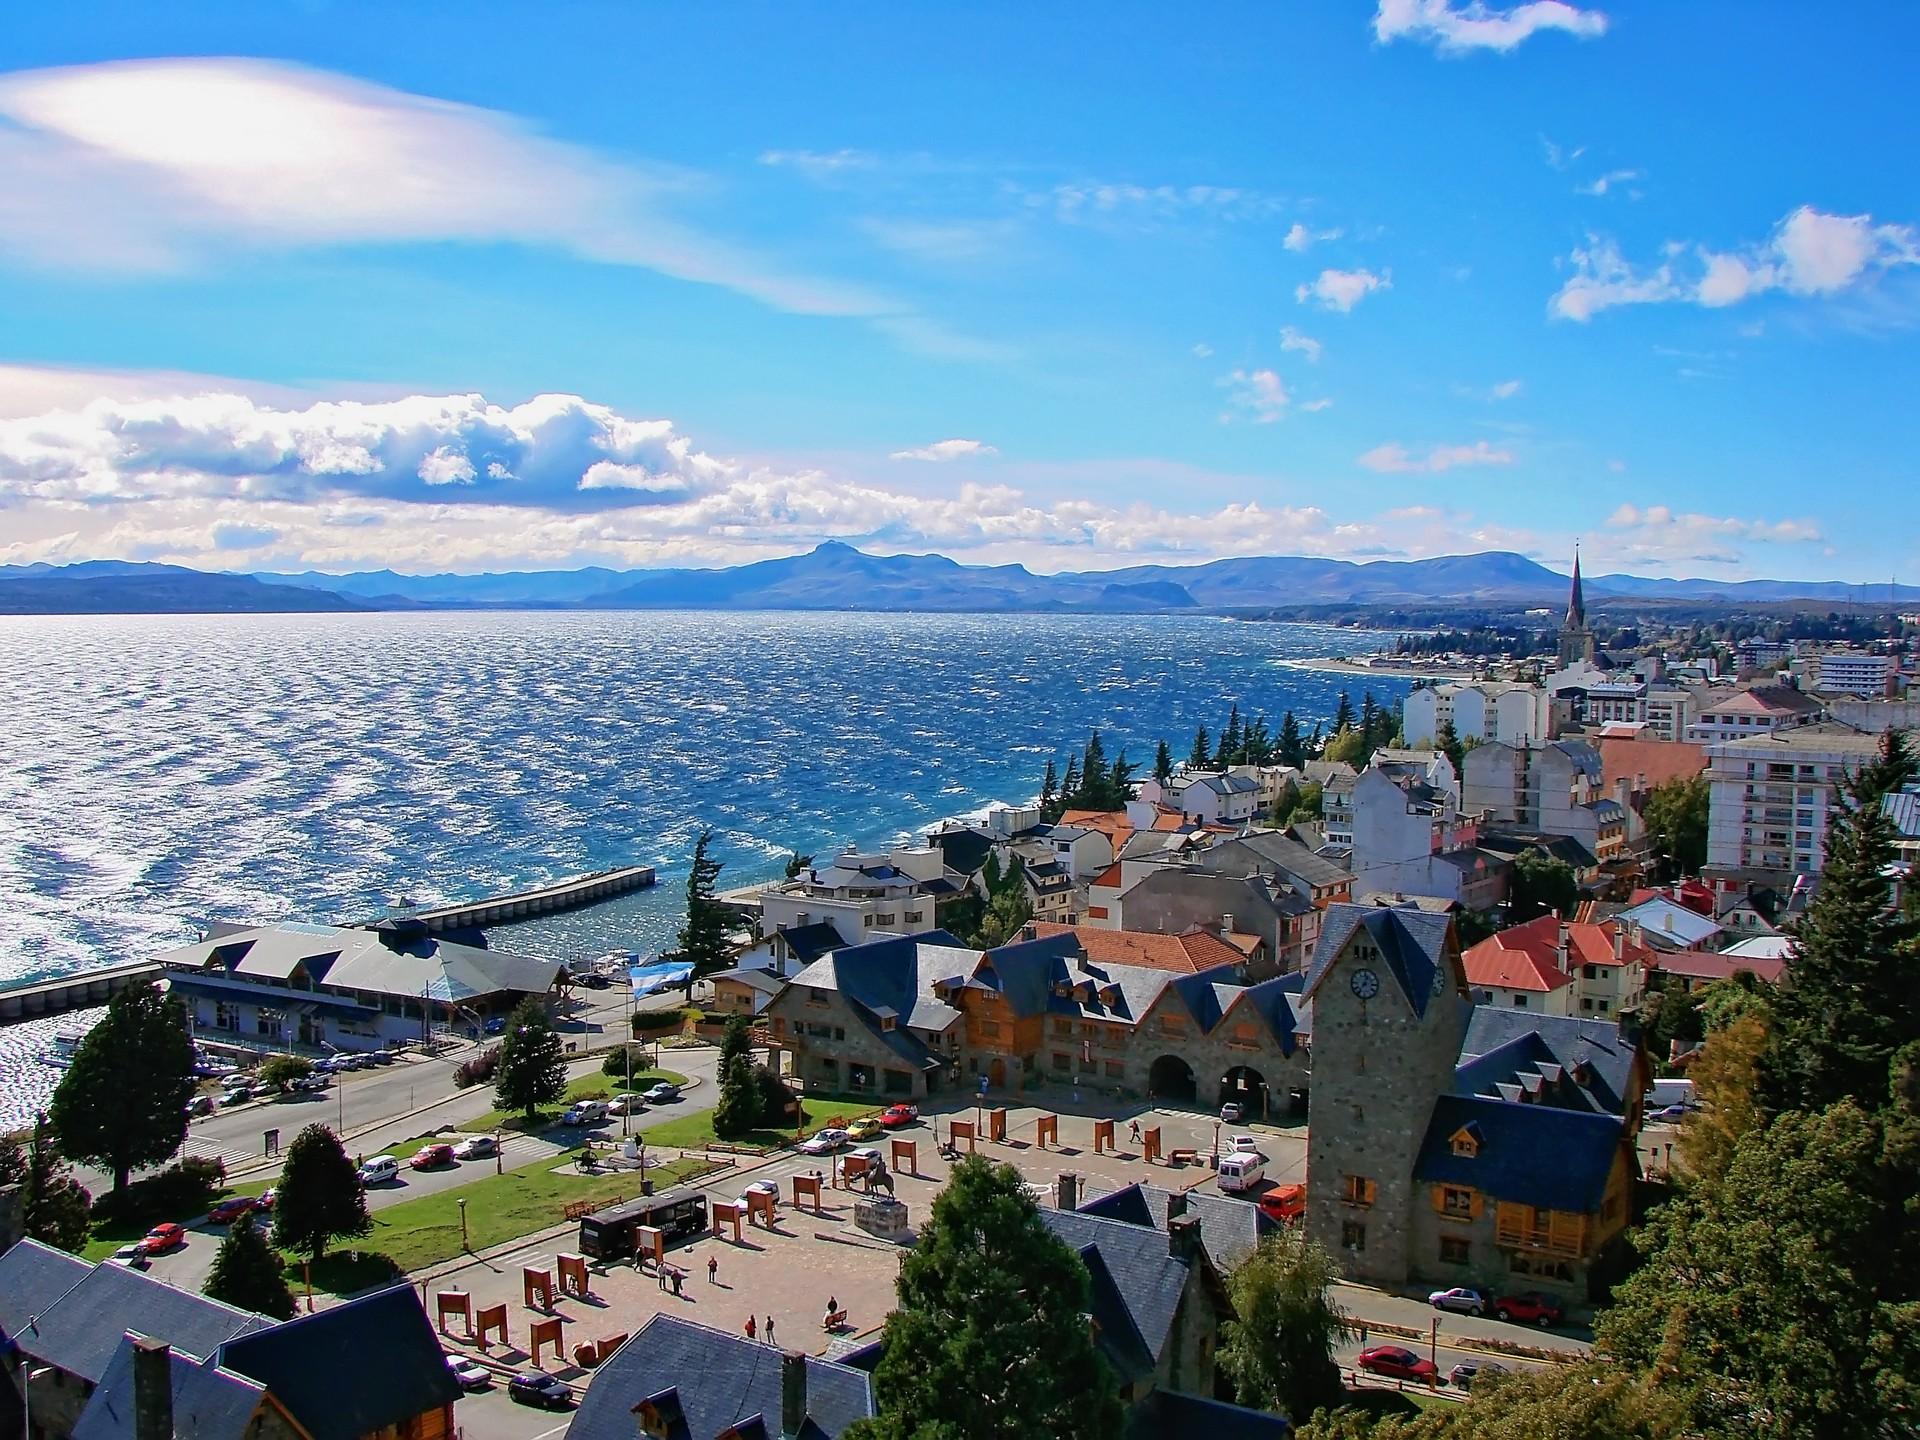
x: 1529, y: 1308
x: 1398, y: 1362
x: 1285, y: 1203
x: 894, y: 1116
x: 231, y: 1209
x: 163, y: 1238
x: 431, y: 1157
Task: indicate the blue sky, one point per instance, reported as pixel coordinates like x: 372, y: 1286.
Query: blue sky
x: 479, y: 286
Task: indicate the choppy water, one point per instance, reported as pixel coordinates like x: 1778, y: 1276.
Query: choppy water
x: 158, y: 771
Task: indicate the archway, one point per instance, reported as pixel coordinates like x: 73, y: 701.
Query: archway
x: 1171, y: 1078
x: 1246, y: 1087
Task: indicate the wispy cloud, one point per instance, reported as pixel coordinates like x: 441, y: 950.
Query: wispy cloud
x: 1259, y: 394
x: 1202, y: 350
x: 1292, y: 339
x: 944, y: 450
x: 943, y: 242
x: 1505, y: 390
x: 1458, y: 29
x: 1110, y: 202
x: 1314, y: 407
x: 1810, y: 253
x: 1393, y: 459
x: 1603, y: 184
x: 1341, y: 290
x: 817, y: 164
x: 1299, y: 238
x: 1684, y: 530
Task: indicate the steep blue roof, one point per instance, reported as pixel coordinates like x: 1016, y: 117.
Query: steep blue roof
x: 1023, y: 971
x: 1174, y: 1412
x: 1529, y: 1154
x: 1229, y: 1228
x: 1412, y: 945
x: 1501, y: 1046
x: 1146, y: 1279
x: 209, y: 1403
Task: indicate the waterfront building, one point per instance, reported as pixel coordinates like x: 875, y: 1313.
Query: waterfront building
x: 1771, y: 795
x: 896, y: 893
x: 1229, y: 797
x: 1480, y: 711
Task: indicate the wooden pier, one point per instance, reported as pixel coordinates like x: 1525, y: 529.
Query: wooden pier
x: 568, y: 894
x: 72, y: 992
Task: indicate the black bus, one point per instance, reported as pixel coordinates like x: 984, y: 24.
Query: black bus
x: 611, y: 1234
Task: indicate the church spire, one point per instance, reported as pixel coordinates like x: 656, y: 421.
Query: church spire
x: 1576, y: 639
x: 1576, y: 603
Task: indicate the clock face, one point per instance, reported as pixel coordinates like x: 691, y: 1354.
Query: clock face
x: 1366, y: 984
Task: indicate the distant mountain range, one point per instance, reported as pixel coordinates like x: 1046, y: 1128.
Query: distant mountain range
x: 836, y: 576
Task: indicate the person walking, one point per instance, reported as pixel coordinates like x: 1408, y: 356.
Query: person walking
x: 750, y: 1327
x: 770, y: 1329
x: 1134, y: 1132
x: 713, y: 1269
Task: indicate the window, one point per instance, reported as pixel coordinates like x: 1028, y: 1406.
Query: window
x: 1456, y: 1200
x: 1455, y: 1250
x: 817, y: 999
x: 1115, y: 1069
x: 1060, y: 1062
x: 1357, y: 1190
x: 1062, y: 1028
x: 990, y: 1028
x: 1353, y: 1236
x: 225, y: 1015
x: 1519, y: 1002
x: 268, y: 1022
x: 1464, y: 1143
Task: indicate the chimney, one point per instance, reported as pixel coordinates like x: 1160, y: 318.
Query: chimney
x: 1176, y: 1204
x: 1066, y: 1191
x: 1226, y: 924
x: 1183, y: 1237
x: 793, y: 1393
x: 152, y: 1389
x: 1560, y: 946
x: 1619, y: 942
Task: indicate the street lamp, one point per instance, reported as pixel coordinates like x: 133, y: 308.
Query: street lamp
x: 461, y: 1201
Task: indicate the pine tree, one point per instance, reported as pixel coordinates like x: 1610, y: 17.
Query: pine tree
x: 533, y: 1067
x: 247, y: 1273
x: 319, y: 1198
x: 1369, y: 719
x: 1119, y: 783
x: 1163, y: 763
x: 1070, y: 786
x: 738, y: 1109
x: 1049, y: 786
x: 1201, y: 756
x: 1343, y: 714
x: 1258, y: 745
x: 55, y: 1209
x: 122, y: 1104
x: 1093, y: 775
x: 1229, y: 751
x: 1448, y: 743
x: 1293, y: 750
x: 992, y: 1306
x: 702, y: 939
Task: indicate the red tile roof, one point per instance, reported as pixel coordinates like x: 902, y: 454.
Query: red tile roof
x: 1188, y: 953
x: 1111, y: 823
x: 1697, y: 965
x: 1626, y: 758
x: 1526, y: 957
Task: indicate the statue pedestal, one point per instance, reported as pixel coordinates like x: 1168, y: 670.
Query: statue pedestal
x: 881, y: 1216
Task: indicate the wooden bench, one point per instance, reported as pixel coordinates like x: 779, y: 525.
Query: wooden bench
x: 1184, y: 1157
x: 835, y: 1320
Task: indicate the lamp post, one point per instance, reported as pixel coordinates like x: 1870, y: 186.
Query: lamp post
x: 461, y: 1201
x: 626, y: 1049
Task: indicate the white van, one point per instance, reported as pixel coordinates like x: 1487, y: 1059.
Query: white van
x: 1670, y: 1092
x: 379, y: 1170
x: 1240, y: 1171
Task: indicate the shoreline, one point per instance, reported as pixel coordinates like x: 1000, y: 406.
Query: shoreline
x: 1346, y: 665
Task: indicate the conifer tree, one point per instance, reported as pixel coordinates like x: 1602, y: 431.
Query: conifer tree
x: 1369, y: 718
x: 1119, y: 783
x: 532, y: 1070
x: 1163, y: 763
x: 55, y: 1209
x: 1049, y: 786
x: 702, y: 939
x: 319, y: 1198
x: 1448, y: 743
x: 1228, y: 752
x: 1257, y: 748
x: 1093, y: 775
x: 1202, y: 755
x: 1293, y: 750
x: 1070, y: 786
x: 1343, y: 714
x: 247, y: 1273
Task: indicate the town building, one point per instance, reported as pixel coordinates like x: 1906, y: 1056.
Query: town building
x: 1454, y: 1143
x: 1553, y: 789
x: 1757, y: 710
x: 1173, y: 898
x: 1849, y: 672
x: 1664, y: 925
x: 1770, y: 797
x: 896, y: 893
x: 1560, y: 967
x: 296, y: 986
x: 1230, y: 797
x: 1481, y: 710
x: 1576, y: 636
x: 746, y: 990
x: 1187, y: 953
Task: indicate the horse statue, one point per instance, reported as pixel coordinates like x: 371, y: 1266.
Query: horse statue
x: 879, y: 1180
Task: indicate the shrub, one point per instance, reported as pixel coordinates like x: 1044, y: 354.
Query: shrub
x: 183, y: 1189
x: 660, y: 1019
x: 477, y: 1069
x: 614, y: 1065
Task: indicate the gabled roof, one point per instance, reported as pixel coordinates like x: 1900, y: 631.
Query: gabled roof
x: 1111, y: 823
x: 1244, y: 897
x: 1708, y: 966
x: 720, y: 1380
x: 1139, y: 1294
x: 1165, y: 1413
x: 1589, y: 1062
x: 1526, y: 957
x: 810, y: 941
x: 355, y: 959
x: 1229, y: 1228
x: 352, y: 1369
x: 962, y: 849
x: 1187, y: 953
x: 1271, y: 850
x: 754, y: 978
x: 1529, y: 1154
x: 1412, y: 945
x: 1498, y: 964
x: 1654, y: 761
x: 209, y: 1401
x: 1506, y: 843
x: 1776, y: 700
x: 78, y: 1329
x: 1664, y: 923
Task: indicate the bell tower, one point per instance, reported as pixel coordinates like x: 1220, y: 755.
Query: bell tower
x: 1576, y: 639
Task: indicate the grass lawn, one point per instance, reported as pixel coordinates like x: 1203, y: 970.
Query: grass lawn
x: 591, y: 1086
x: 691, y: 1132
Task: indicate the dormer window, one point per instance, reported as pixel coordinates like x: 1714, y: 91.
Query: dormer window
x: 1465, y: 1144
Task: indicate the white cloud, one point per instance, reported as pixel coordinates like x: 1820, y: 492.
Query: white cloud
x: 1810, y: 253
x: 1258, y: 393
x: 947, y: 242
x: 1299, y: 237
x: 818, y: 164
x: 444, y: 466
x: 1342, y: 289
x: 1124, y: 202
x: 1602, y: 184
x: 1457, y: 29
x: 944, y: 450
x: 1684, y: 531
x: 193, y: 158
x: 1202, y: 351
x: 1314, y: 407
x: 1398, y: 460
x: 1505, y: 390
x: 1292, y: 339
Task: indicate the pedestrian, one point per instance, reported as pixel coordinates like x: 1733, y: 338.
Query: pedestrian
x: 713, y: 1269
x: 1134, y: 1132
x: 677, y: 1273
x: 769, y: 1329
x: 750, y: 1327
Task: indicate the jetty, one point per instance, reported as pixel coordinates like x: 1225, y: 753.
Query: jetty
x: 569, y: 894
x: 72, y: 992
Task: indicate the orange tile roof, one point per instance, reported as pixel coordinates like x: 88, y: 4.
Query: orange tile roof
x: 1109, y: 878
x: 1526, y: 957
x: 1188, y: 953
x: 1627, y: 758
x: 1111, y: 823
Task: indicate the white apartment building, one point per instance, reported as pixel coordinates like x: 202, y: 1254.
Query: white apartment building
x: 1849, y: 672
x: 1485, y: 710
x: 1770, y: 796
x: 1760, y: 710
x: 863, y: 895
x: 1555, y: 789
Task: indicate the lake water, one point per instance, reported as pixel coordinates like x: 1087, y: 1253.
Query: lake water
x: 160, y: 771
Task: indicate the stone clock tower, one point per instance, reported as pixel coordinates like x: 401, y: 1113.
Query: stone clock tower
x: 1390, y: 1009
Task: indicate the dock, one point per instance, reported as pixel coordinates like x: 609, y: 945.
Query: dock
x: 569, y: 894
x: 72, y: 992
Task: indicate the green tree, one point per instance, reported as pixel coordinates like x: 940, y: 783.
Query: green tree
x: 319, y: 1198
x: 1756, y: 1309
x: 55, y: 1210
x: 1009, y: 908
x: 1726, y: 1081
x: 533, y: 1067
x: 1369, y: 717
x: 1676, y: 817
x: 1049, y: 787
x: 1201, y: 756
x: 1348, y: 745
x: 1070, y: 782
x: 1284, y: 803
x: 1309, y: 806
x: 1279, y: 1348
x: 1259, y: 743
x: 1093, y: 777
x: 1590, y: 1400
x: 1162, y: 763
x: 1850, y: 999
x: 702, y: 939
x: 738, y: 1109
x: 122, y: 1103
x: 1343, y: 714
x: 989, y: 1340
x: 1541, y: 885
x: 1670, y: 1011
x: 1230, y: 750
x: 1447, y: 742
x: 798, y: 864
x: 1119, y: 783
x: 247, y: 1273
x: 280, y: 1071
x: 1293, y: 749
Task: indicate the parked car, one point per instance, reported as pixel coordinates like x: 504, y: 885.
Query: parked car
x: 1231, y: 1114
x: 467, y: 1374
x: 1285, y: 1203
x: 380, y: 1170
x: 310, y: 1084
x: 1467, y: 1372
x: 660, y: 1092
x: 266, y: 1198
x: 200, y: 1105
x: 379, y: 1057
x: 236, y: 1096
x: 162, y: 1238
x: 585, y: 1112
x: 769, y: 1188
x: 235, y: 1080
x: 132, y: 1256
x: 823, y: 1142
x: 894, y: 1116
x: 1399, y: 1363
x: 1246, y: 1145
x: 865, y: 1128
x: 628, y: 1104
x: 1678, y: 1111
x: 231, y: 1209
x: 594, y: 980
x: 542, y: 1391
x: 476, y: 1147
x: 432, y: 1157
x: 1529, y: 1307
x: 495, y: 1025
x: 1460, y: 1299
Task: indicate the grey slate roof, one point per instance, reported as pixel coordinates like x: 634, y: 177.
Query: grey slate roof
x: 1270, y: 850
x: 1529, y: 1154
x: 209, y: 1402
x: 809, y: 942
x: 1229, y: 1228
x: 80, y: 1327
x: 1243, y: 897
x: 353, y: 959
x: 1137, y: 1290
x: 1501, y: 1045
x: 1170, y: 1413
x: 754, y: 977
x: 721, y: 1381
x: 1412, y: 945
x: 381, y: 1345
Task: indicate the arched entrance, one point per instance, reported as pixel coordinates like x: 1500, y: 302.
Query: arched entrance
x: 1171, y: 1078
x: 1246, y: 1087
